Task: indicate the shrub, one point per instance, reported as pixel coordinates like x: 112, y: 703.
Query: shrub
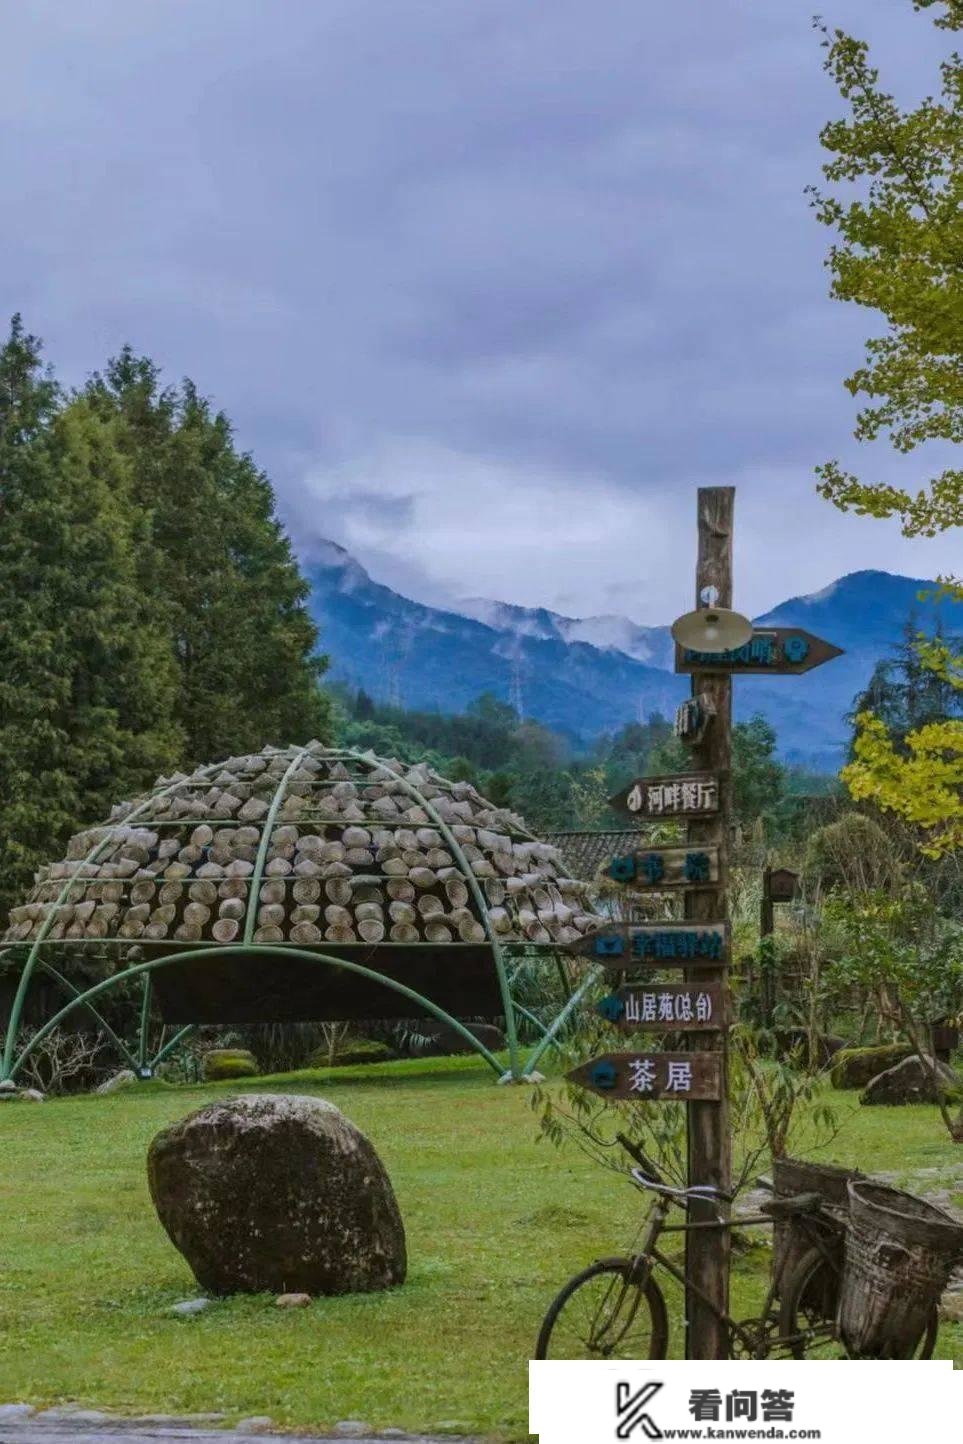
x: 222, y: 1063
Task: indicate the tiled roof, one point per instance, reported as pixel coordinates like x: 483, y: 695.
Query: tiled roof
x: 585, y: 852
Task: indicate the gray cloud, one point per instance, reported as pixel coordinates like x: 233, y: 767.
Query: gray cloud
x: 489, y: 288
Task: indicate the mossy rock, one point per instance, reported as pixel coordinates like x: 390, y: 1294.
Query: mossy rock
x: 223, y: 1063
x: 353, y: 1050
x: 855, y: 1067
x: 912, y: 1081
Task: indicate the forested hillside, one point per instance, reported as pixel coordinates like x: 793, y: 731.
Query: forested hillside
x: 519, y: 763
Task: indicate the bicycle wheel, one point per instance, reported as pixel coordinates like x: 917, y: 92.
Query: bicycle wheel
x: 809, y: 1306
x: 602, y: 1313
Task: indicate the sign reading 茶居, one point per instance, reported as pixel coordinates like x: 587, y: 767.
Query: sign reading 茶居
x: 667, y: 1007
x: 691, y: 794
x: 657, y: 868
x: 661, y: 945
x: 770, y: 651
x: 655, y: 1076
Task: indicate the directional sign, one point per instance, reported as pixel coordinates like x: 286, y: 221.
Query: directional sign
x: 770, y: 651
x: 666, y: 1076
x: 688, y: 794
x: 668, y: 1007
x: 658, y: 868
x: 660, y: 945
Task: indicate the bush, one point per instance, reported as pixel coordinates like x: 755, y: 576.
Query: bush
x: 854, y: 1067
x: 223, y: 1063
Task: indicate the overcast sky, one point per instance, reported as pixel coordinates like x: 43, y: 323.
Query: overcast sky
x: 488, y: 287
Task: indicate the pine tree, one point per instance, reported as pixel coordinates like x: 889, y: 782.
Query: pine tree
x: 85, y: 685
x: 905, y: 694
x: 219, y: 569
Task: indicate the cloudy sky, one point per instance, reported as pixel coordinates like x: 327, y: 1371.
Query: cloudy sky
x: 489, y: 287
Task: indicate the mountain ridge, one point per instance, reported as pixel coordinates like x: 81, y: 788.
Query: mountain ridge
x: 571, y: 674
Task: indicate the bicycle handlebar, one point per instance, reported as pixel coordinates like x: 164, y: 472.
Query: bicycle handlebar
x: 706, y: 1192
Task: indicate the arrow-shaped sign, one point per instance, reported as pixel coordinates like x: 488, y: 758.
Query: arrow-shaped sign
x: 652, y: 1076
x: 658, y: 868
x: 684, y: 794
x: 770, y: 651
x: 660, y: 945
x: 667, y: 1008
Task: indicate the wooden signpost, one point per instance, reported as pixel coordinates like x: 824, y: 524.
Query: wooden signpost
x: 670, y: 1076
x: 778, y: 885
x: 658, y: 868
x: 661, y: 945
x: 699, y: 945
x: 687, y: 794
x: 668, y: 1008
x: 770, y: 652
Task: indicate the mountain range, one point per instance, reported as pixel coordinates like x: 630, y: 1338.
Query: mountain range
x: 583, y: 677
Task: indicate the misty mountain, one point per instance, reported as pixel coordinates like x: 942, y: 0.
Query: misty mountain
x: 583, y: 676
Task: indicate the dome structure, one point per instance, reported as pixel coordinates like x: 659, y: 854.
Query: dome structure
x: 224, y: 889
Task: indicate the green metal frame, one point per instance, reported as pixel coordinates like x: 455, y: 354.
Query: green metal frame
x: 140, y: 1059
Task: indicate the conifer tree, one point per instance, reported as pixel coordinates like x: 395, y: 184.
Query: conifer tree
x: 220, y: 571
x: 86, y: 686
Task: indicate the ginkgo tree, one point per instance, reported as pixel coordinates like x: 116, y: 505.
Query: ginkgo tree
x: 894, y: 199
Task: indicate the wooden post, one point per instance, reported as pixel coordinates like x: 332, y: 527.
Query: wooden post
x: 767, y: 979
x: 709, y: 1160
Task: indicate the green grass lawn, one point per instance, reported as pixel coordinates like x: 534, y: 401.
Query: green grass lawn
x: 495, y: 1219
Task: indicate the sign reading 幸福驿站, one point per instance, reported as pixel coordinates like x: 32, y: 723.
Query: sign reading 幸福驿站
x: 662, y: 945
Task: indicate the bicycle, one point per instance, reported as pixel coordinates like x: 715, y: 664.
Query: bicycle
x: 616, y: 1309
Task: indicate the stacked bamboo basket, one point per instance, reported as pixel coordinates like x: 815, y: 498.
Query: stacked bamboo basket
x: 341, y: 849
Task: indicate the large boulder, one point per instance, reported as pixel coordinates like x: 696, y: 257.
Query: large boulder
x: 277, y: 1193
x: 911, y: 1081
x: 854, y: 1067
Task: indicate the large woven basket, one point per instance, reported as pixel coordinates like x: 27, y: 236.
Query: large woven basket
x: 792, y: 1238
x: 899, y: 1254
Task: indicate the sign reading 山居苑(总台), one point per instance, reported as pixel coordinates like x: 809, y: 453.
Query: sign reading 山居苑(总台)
x: 667, y: 1007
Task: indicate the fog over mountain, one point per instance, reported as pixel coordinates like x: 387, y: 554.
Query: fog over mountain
x: 583, y: 676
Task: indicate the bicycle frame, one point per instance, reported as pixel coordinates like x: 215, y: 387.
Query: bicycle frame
x: 650, y: 1255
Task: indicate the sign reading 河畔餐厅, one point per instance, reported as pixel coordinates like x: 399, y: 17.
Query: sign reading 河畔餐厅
x: 772, y: 651
x: 667, y: 1007
x: 693, y: 794
x: 664, y: 944
x: 657, y: 868
x: 668, y: 1076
